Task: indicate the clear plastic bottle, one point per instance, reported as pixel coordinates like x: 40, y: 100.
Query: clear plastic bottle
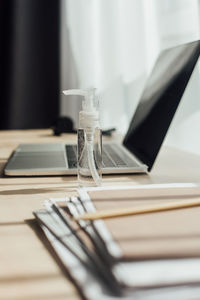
x: 89, y: 139
x: 86, y: 149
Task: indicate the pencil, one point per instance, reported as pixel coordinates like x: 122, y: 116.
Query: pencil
x: 124, y: 212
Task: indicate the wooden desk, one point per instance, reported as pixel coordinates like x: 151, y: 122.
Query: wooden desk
x: 27, y: 270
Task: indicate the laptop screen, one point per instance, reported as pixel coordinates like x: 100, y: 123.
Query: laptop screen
x: 159, y: 101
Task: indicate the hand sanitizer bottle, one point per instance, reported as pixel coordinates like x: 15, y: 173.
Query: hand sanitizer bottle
x: 89, y: 156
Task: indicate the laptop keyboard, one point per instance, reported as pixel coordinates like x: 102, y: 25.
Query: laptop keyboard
x: 71, y: 151
x: 110, y: 157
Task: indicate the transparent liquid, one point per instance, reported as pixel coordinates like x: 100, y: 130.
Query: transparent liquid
x: 84, y: 174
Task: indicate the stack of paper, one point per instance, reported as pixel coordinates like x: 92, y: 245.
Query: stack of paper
x: 151, y: 256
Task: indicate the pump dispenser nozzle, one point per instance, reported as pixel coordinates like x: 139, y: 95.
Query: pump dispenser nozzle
x: 88, y: 128
x: 89, y: 97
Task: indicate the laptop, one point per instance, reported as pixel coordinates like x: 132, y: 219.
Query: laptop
x: 145, y: 135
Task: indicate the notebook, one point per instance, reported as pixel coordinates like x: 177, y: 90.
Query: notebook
x: 167, y: 234
x: 111, y: 277
x: 145, y: 135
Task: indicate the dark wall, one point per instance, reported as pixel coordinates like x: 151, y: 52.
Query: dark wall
x: 29, y: 63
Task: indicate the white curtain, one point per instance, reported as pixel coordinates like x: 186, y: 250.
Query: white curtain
x: 112, y: 45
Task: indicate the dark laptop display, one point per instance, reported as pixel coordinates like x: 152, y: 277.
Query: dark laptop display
x: 160, y: 100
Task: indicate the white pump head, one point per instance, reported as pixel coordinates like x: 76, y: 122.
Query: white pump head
x: 89, y: 102
x: 89, y: 116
